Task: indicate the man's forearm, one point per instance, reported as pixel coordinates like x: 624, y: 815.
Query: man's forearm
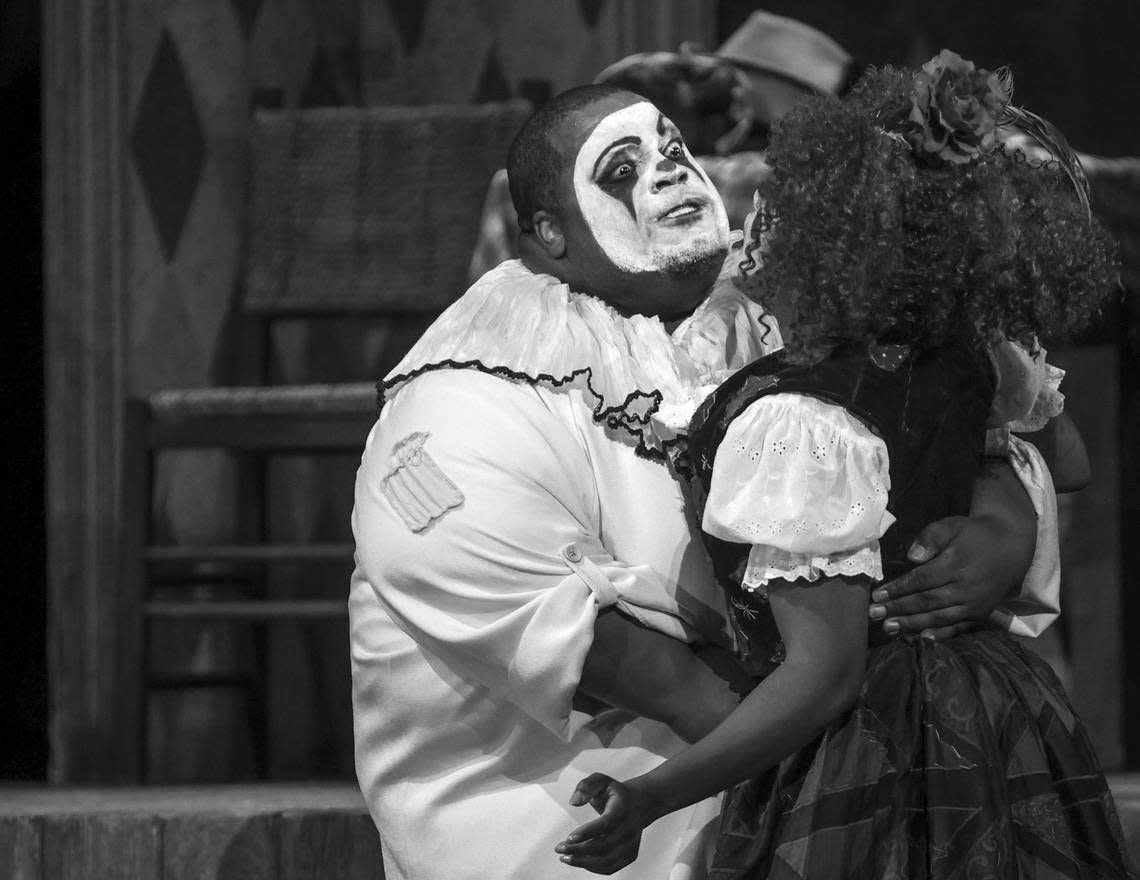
x: 1001, y: 502
x: 635, y: 668
x: 1000, y: 496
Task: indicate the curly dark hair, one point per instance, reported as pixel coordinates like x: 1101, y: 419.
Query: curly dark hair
x: 863, y: 243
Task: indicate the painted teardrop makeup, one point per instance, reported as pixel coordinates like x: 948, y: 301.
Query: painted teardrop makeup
x: 648, y: 204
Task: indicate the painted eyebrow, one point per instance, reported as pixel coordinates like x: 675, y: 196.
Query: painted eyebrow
x: 620, y: 142
x: 665, y: 126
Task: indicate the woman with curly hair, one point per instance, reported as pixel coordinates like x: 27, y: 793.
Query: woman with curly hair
x: 918, y: 261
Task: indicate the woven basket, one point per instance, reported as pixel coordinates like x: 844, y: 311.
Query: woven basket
x: 370, y: 208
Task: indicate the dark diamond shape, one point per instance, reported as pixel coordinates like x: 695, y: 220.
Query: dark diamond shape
x: 493, y: 85
x: 591, y: 11
x: 321, y: 84
x: 247, y: 12
x: 266, y: 98
x: 409, y: 18
x: 537, y: 91
x: 167, y: 143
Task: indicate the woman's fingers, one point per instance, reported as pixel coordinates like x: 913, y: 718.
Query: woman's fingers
x: 607, y: 864
x: 603, y: 853
x: 592, y: 788
x: 610, y: 841
x: 589, y: 833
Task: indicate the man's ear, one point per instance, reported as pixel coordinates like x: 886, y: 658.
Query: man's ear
x: 548, y: 233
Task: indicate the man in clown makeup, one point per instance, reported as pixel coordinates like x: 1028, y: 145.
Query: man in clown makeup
x: 526, y: 548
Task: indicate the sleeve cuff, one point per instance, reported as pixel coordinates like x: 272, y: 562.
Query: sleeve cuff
x: 770, y: 563
x: 638, y: 592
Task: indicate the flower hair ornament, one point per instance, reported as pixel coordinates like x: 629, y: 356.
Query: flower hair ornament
x: 955, y: 113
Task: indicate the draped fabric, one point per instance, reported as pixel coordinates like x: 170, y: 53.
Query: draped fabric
x: 960, y: 760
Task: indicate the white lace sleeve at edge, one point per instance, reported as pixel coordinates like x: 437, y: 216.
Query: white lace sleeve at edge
x: 1038, y: 603
x: 1028, y: 387
x: 805, y: 483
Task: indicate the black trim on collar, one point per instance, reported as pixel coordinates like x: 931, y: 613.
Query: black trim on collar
x: 616, y: 417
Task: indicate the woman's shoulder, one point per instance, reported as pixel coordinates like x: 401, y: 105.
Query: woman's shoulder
x: 730, y: 398
x: 883, y: 385
x: 839, y: 378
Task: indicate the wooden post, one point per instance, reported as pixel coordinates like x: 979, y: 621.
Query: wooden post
x: 109, y: 846
x: 1130, y: 530
x: 85, y: 125
x: 21, y: 852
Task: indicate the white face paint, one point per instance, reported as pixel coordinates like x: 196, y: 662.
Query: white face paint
x: 649, y: 205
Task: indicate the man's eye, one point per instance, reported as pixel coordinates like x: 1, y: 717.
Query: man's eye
x: 623, y: 169
x: 675, y: 150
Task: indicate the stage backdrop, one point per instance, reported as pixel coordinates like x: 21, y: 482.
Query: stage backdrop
x: 147, y: 113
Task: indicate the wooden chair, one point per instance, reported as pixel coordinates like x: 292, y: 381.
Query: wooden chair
x: 353, y: 211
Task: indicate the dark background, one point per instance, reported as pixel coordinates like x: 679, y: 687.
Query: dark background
x: 23, y: 606
x: 1075, y: 63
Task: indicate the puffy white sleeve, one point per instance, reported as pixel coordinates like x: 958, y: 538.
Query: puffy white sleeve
x: 806, y: 484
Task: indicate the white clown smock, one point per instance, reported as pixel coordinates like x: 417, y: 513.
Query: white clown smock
x: 516, y: 483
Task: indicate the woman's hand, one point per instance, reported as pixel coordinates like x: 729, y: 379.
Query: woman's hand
x: 612, y: 841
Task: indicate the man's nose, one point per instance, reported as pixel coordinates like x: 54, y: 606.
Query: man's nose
x: 667, y: 173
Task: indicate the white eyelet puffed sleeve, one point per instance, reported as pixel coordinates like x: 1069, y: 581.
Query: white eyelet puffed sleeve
x: 806, y: 484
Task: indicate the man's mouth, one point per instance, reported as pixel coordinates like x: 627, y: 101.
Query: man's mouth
x: 684, y: 210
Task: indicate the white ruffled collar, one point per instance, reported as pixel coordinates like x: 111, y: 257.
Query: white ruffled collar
x: 534, y: 328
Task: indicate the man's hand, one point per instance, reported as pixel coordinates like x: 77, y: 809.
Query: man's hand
x: 632, y: 667
x: 612, y: 841
x: 971, y: 564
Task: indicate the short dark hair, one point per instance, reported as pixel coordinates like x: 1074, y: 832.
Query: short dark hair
x: 534, y: 159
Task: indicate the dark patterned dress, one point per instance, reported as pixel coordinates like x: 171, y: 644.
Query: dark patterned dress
x: 960, y: 759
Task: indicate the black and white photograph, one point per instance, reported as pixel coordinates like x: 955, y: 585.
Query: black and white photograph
x: 535, y: 439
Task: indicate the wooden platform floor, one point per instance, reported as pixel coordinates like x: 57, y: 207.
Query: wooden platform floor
x: 216, y: 832
x: 222, y: 832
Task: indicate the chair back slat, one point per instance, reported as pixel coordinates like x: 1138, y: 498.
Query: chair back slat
x: 369, y: 209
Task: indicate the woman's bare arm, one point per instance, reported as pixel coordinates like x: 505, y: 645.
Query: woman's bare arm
x: 824, y: 628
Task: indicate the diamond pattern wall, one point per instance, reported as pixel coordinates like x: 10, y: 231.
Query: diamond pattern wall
x: 196, y: 69
x: 408, y: 18
x: 475, y: 50
x: 167, y: 143
x: 246, y: 12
